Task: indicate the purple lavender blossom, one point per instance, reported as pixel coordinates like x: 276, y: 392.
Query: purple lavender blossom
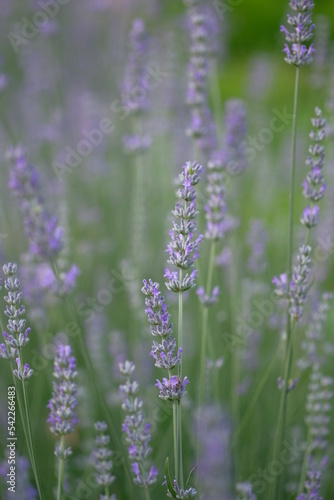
x: 296, y: 290
x: 62, y: 417
x: 135, y: 70
x: 313, y: 344
x: 203, y: 30
x: 313, y: 481
x: 16, y: 325
x: 216, y: 206
x: 101, y: 456
x: 314, y: 185
x: 137, y: 429
x: 172, y: 389
x: 183, y: 248
x: 244, y: 491
x: 235, y: 134
x: 208, y: 300
x: 298, y: 53
x: 41, y: 228
x: 257, y: 240
x: 180, y: 492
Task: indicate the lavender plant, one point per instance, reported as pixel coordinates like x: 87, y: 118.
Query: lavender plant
x: 11, y: 349
x: 298, y: 54
x: 101, y: 458
x: 137, y: 430
x: 62, y: 417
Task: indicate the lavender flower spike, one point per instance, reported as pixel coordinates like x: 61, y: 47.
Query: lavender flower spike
x: 298, y: 53
x: 62, y: 417
x: 314, y: 185
x: 101, y: 457
x: 136, y: 429
x: 41, y: 228
x: 183, y: 247
x: 163, y: 351
x: 16, y: 325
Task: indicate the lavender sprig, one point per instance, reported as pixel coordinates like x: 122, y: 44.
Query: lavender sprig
x: 158, y: 317
x: 16, y: 325
x: 314, y: 184
x: 101, y: 458
x: 41, y: 228
x: 12, y: 349
x: 62, y: 417
x: 299, y: 53
x: 183, y: 248
x: 137, y: 429
x: 44, y: 234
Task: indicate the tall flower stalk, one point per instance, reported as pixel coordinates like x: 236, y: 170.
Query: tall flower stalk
x: 183, y: 251
x: 293, y: 284
x: 11, y: 349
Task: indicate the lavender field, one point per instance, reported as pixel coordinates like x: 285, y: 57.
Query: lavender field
x: 166, y: 244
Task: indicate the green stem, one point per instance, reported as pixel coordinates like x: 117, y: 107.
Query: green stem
x: 305, y: 462
x: 175, y: 442
x: 282, y: 415
x: 216, y: 98
x: 205, y: 324
x: 293, y: 172
x: 233, y: 315
x: 205, y: 341
x: 281, y: 425
x: 179, y: 409
x: 61, y: 469
x: 29, y: 434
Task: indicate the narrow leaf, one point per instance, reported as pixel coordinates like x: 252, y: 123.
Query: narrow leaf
x: 168, y: 479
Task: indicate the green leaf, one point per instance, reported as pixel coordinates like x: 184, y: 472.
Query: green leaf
x: 191, y: 473
x: 168, y: 479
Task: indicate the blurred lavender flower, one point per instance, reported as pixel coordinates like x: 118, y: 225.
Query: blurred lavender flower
x: 216, y: 206
x: 16, y: 325
x: 313, y: 342
x: 44, y: 233
x: 299, y: 53
x: 214, y: 469
x: 244, y: 491
x: 62, y: 417
x: 314, y: 185
x: 136, y: 429
x: 183, y: 248
x: 235, y: 134
x: 135, y: 69
x: 257, y: 239
x: 203, y: 29
x: 208, y: 300
x: 41, y: 228
x: 101, y: 457
x: 313, y: 481
x: 319, y: 409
